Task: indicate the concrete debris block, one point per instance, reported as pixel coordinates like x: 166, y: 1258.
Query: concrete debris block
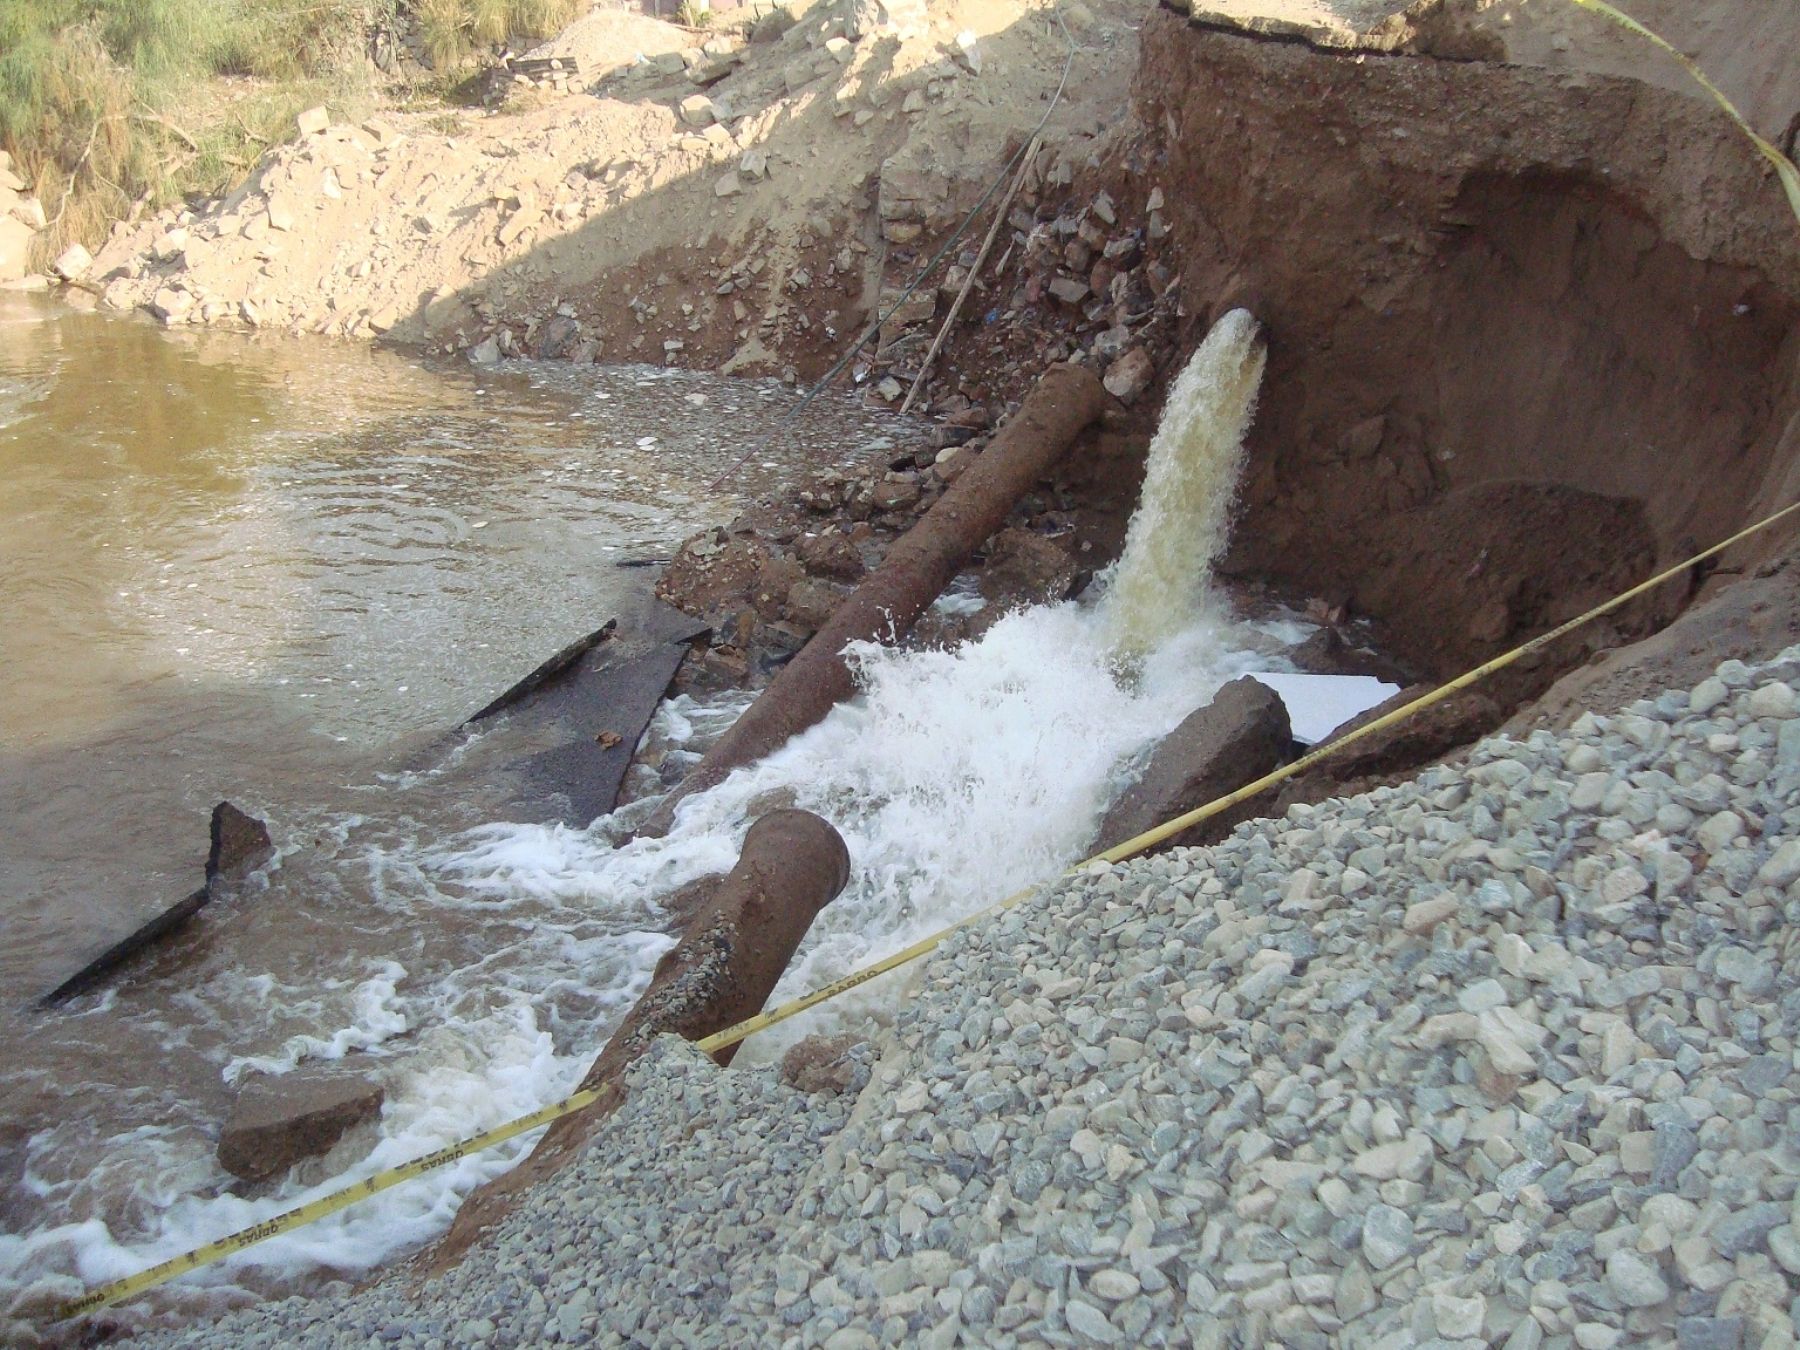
x: 279, y: 1121
x: 754, y: 165
x: 486, y: 352
x: 915, y: 308
x: 889, y: 389
x: 797, y: 77
x: 515, y: 225
x: 31, y: 211
x: 240, y: 845
x: 73, y: 263
x: 559, y: 337
x: 281, y: 215
x: 171, y: 246
x: 966, y: 50
x: 1069, y: 290
x: 697, y: 110
x: 910, y: 190
x: 171, y: 306
x: 329, y: 186
x: 840, y: 50
x: 713, y: 69
x: 1104, y: 209
x: 1111, y: 344
x: 728, y: 186
x: 771, y: 25
x: 312, y: 121
x: 1128, y: 377
x: 862, y: 18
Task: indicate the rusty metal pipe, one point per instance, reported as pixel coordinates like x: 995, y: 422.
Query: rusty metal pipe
x: 1059, y: 408
x: 734, y: 951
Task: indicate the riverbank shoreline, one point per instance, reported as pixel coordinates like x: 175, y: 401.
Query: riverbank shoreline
x: 1455, y: 1059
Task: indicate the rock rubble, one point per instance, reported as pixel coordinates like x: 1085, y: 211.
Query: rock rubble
x: 1504, y: 1055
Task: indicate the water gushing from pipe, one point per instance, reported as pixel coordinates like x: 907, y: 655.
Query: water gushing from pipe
x: 1161, y: 583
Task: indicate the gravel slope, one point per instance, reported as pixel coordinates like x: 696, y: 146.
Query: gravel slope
x: 1502, y: 1056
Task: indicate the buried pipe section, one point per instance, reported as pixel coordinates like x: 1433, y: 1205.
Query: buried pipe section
x: 1058, y: 409
x: 723, y: 970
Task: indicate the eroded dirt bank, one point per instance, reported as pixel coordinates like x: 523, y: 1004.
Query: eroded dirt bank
x: 1531, y: 331
x: 1531, y: 298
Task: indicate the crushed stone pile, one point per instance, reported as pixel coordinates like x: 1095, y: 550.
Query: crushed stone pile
x: 1501, y: 1056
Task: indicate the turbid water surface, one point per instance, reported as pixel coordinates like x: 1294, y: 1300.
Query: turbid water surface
x: 394, y: 559
x: 271, y: 570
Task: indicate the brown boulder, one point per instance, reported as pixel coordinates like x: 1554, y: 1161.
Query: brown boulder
x: 821, y: 1064
x: 279, y: 1121
x: 830, y: 555
x: 714, y: 574
x: 1238, y: 737
x: 811, y: 602
x: 1327, y: 652
x: 1025, y: 568
x: 1429, y: 734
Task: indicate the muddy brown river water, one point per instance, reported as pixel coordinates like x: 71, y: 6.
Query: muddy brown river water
x: 277, y: 571
x: 270, y: 569
x: 236, y: 567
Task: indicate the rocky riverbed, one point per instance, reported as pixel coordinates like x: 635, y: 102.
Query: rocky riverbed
x: 1504, y: 1055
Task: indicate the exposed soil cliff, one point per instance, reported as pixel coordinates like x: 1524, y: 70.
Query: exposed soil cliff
x: 1531, y: 297
x: 1530, y: 330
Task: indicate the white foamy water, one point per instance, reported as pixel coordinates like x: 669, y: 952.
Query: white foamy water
x: 954, y: 777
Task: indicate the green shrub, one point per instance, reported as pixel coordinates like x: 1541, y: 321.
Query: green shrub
x: 111, y: 105
x: 454, y: 30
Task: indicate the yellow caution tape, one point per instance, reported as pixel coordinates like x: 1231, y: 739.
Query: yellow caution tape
x: 108, y: 1294
x: 1170, y: 828
x: 1784, y: 167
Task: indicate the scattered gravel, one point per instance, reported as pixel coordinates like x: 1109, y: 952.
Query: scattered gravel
x: 1502, y: 1056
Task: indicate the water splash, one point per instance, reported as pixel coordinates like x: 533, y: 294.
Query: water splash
x: 1161, y: 583
x: 954, y: 777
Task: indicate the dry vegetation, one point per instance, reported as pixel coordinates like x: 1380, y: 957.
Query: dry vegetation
x: 112, y: 106
x: 453, y: 29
